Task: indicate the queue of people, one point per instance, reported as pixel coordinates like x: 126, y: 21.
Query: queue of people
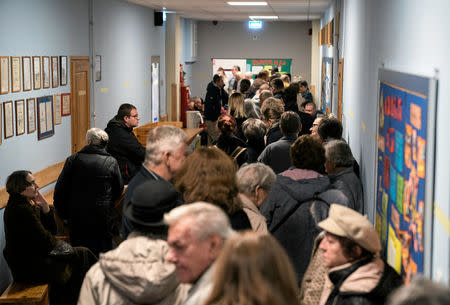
x: 269, y: 212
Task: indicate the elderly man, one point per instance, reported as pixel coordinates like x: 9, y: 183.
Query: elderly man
x: 339, y: 166
x: 254, y: 182
x: 165, y: 152
x: 123, y: 144
x: 85, y: 192
x: 137, y: 272
x: 196, y: 236
x: 276, y: 155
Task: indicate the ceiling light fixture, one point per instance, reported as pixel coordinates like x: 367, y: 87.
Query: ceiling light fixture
x: 261, y: 3
x: 263, y: 17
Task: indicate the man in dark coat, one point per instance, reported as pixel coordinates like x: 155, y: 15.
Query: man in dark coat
x: 123, y: 144
x: 85, y: 192
x: 166, y: 151
x: 216, y: 97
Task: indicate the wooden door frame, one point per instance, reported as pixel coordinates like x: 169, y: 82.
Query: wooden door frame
x: 88, y: 93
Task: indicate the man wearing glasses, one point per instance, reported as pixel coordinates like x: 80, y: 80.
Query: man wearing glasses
x: 123, y: 144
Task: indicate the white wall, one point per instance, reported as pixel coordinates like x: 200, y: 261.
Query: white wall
x: 235, y: 40
x: 409, y: 36
x: 126, y: 38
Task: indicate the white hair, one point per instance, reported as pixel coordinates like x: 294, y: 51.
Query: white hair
x: 250, y: 176
x: 96, y: 136
x: 163, y: 139
x: 208, y: 218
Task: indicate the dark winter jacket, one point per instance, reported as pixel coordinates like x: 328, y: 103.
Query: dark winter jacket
x: 85, y: 192
x: 124, y: 146
x: 29, y: 240
x: 292, y: 210
x: 347, y: 182
x: 216, y: 97
x: 365, y: 282
x: 274, y: 133
x: 232, y: 146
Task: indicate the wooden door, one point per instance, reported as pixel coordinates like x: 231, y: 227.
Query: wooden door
x: 80, y: 104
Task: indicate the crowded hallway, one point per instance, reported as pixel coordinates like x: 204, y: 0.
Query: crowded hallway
x: 171, y: 157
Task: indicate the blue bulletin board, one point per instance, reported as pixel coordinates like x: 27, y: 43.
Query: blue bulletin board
x: 405, y: 170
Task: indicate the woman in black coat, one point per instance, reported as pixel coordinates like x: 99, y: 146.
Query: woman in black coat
x: 30, y: 249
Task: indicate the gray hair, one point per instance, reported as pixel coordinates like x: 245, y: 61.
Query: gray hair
x: 420, y: 291
x: 209, y: 219
x: 339, y: 153
x: 250, y: 176
x: 163, y: 139
x: 254, y: 129
x: 97, y: 136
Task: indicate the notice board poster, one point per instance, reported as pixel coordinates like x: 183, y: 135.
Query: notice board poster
x: 327, y: 85
x: 257, y: 65
x: 405, y: 170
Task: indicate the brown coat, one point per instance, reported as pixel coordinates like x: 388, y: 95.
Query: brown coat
x: 257, y: 220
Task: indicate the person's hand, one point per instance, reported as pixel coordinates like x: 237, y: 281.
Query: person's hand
x: 40, y: 201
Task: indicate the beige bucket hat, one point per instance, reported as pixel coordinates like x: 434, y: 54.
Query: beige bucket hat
x: 345, y: 222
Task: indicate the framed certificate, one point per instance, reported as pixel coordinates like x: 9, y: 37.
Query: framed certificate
x: 46, y: 127
x: 37, y: 72
x: 55, y: 72
x: 26, y: 73
x: 4, y: 74
x: 31, y: 115
x: 8, y: 119
x: 63, y: 70
x: 20, y: 117
x: 57, y: 108
x: 1, y: 125
x: 45, y: 72
x: 15, y: 74
x: 65, y: 104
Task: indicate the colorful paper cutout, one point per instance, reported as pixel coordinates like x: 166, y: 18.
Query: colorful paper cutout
x: 400, y: 186
x: 415, y: 116
x: 394, y: 255
x: 399, y: 151
x: 393, y: 183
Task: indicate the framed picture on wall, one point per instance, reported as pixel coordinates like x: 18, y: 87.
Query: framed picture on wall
x: 20, y: 117
x: 46, y: 72
x: 55, y: 72
x: 57, y: 108
x: 15, y: 74
x: 26, y: 73
x: 4, y: 74
x: 36, y: 72
x: 1, y: 125
x: 46, y: 127
x: 31, y: 115
x: 8, y: 119
x: 63, y: 70
x: 65, y: 104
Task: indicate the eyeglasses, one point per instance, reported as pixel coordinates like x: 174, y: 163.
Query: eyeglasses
x: 134, y: 116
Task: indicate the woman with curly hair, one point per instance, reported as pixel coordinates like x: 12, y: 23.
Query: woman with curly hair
x: 300, y: 196
x: 228, y: 142
x: 208, y: 174
x: 253, y: 269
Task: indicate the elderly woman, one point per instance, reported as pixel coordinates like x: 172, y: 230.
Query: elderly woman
x: 208, y: 174
x: 253, y: 269
x: 339, y: 166
x: 299, y: 198
x: 254, y: 182
x: 254, y: 131
x: 31, y: 250
x: 356, y: 274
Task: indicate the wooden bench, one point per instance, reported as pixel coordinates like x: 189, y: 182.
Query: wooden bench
x: 142, y: 131
x: 21, y: 294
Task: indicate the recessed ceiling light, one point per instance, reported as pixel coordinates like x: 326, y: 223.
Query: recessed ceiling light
x: 261, y: 3
x: 262, y: 17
